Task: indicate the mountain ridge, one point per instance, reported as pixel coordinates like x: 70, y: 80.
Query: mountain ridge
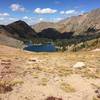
x: 78, y: 24
x: 76, y: 28
x: 15, y: 33
x: 18, y: 29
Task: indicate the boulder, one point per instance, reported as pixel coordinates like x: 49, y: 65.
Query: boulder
x: 79, y: 65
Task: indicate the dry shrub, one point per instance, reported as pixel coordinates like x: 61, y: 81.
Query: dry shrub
x: 53, y: 98
x: 4, y: 87
x: 8, y: 86
x: 67, y: 87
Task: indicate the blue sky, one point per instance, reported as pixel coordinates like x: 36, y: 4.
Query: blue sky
x: 34, y: 11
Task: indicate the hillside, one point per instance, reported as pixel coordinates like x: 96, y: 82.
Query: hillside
x: 43, y: 25
x: 18, y: 30
x: 88, y: 23
x: 76, y: 30
x: 38, y: 76
x: 15, y: 33
x: 9, y: 41
x: 22, y: 29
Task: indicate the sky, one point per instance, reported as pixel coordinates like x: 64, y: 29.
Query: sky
x: 34, y: 11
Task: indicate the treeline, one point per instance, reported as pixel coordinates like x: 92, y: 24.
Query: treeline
x: 73, y: 44
x: 78, y: 42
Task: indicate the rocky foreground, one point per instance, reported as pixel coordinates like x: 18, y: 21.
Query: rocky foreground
x: 49, y: 76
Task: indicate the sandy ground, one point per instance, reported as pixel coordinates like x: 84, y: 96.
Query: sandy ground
x: 36, y: 76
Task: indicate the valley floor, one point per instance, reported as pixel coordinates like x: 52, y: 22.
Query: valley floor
x: 37, y: 76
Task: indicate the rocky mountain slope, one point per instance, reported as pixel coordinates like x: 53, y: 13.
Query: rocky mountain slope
x: 9, y: 41
x: 18, y: 29
x: 52, y: 33
x: 14, y: 33
x: 88, y: 23
x: 43, y: 25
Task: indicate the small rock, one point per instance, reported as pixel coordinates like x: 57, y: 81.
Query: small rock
x: 79, y: 65
x: 98, y: 49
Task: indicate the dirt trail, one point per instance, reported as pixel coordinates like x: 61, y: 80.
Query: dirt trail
x: 36, y: 76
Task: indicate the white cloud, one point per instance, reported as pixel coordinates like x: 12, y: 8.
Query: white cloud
x: 4, y: 14
x: 62, y: 12
x: 17, y: 7
x: 7, y: 20
x: 58, y: 19
x: 45, y: 11
x: 1, y: 18
x: 70, y: 11
x: 13, y: 19
x: 25, y: 17
x: 40, y: 19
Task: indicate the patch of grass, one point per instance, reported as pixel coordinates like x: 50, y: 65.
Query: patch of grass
x: 48, y: 70
x: 67, y: 87
x: 97, y: 73
x: 35, y: 75
x: 95, y: 85
x: 95, y: 98
x: 43, y: 81
x: 64, y: 72
x: 89, y: 74
x: 8, y: 86
x: 15, y: 82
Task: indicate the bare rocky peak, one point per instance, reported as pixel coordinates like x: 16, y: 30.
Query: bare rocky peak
x: 86, y: 23
x: 43, y: 25
x: 22, y: 28
x: 18, y: 29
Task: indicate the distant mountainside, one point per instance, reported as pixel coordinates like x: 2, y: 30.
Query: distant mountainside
x: 43, y: 25
x: 14, y: 34
x: 18, y: 30
x: 52, y: 33
x: 9, y: 41
x: 77, y: 29
x: 88, y: 23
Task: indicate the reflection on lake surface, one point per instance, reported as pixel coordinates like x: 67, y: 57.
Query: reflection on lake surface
x: 48, y: 47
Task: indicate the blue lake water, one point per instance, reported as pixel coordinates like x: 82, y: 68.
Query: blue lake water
x: 41, y: 48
